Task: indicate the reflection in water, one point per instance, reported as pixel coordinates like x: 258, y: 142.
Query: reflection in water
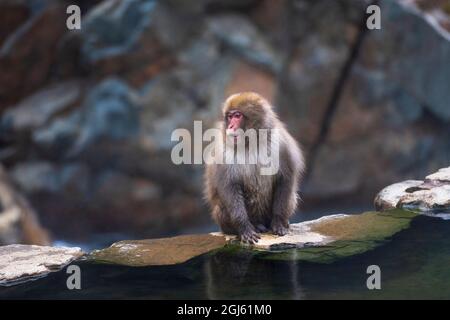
x: 296, y: 288
x: 414, y: 264
x: 225, y: 267
x: 239, y: 273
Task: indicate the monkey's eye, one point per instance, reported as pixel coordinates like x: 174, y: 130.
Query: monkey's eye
x: 235, y: 115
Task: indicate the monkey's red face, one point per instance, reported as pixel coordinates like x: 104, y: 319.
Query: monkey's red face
x: 234, y: 121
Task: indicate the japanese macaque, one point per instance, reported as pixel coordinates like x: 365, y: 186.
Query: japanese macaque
x: 245, y: 201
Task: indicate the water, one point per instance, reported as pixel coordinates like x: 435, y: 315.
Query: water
x: 414, y: 264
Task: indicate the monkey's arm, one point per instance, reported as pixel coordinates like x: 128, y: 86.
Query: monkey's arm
x: 233, y: 200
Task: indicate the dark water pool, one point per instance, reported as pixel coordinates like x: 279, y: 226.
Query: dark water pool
x: 414, y: 264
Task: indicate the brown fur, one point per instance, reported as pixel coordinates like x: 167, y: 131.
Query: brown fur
x: 243, y: 201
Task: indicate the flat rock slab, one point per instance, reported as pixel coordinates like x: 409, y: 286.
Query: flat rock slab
x: 353, y: 234
x: 431, y: 196
x: 300, y: 235
x: 20, y: 263
x: 321, y: 240
x: 155, y: 252
x: 338, y: 236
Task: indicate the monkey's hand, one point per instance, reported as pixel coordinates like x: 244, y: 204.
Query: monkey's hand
x: 279, y: 228
x: 249, y: 235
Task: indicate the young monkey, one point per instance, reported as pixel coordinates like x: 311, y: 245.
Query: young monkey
x: 244, y: 201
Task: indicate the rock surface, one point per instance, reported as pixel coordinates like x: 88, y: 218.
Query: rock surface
x: 36, y: 110
x: 35, y: 41
x: 19, y: 222
x: 155, y: 252
x: 382, y: 113
x: 20, y: 263
x: 352, y: 234
x: 300, y: 235
x: 323, y: 240
x: 441, y: 175
x: 389, y: 197
x: 334, y: 237
x: 431, y: 196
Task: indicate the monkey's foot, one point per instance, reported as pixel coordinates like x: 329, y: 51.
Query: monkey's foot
x: 249, y: 236
x: 279, y: 229
x: 260, y: 228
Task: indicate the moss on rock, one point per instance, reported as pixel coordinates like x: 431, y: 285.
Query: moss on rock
x: 353, y: 234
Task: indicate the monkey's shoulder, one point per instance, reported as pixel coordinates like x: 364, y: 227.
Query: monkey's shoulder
x: 290, y: 154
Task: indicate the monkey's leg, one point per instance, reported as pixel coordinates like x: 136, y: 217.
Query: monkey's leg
x: 284, y: 203
x: 233, y: 200
x: 222, y: 219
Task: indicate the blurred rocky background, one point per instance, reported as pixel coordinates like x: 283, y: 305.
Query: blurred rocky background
x: 86, y: 115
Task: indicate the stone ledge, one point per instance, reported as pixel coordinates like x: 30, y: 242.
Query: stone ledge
x: 20, y: 263
x: 328, y: 235
x: 430, y: 196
